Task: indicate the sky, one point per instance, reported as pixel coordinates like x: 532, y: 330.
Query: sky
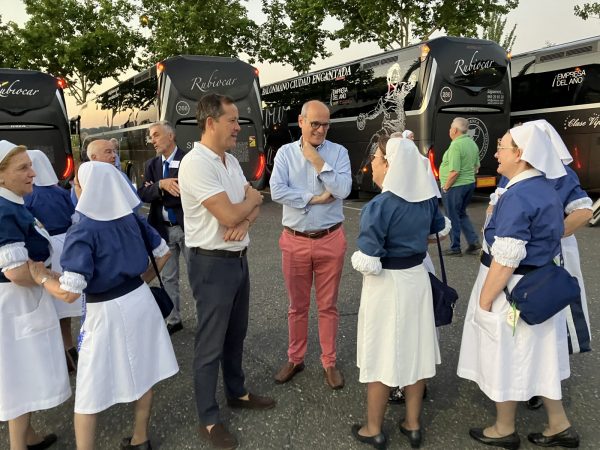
x: 539, y: 22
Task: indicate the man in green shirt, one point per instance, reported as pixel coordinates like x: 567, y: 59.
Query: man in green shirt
x: 457, y: 178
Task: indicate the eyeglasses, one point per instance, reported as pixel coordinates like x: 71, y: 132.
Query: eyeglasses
x: 316, y: 125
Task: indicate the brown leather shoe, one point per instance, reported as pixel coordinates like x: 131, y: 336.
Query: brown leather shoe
x: 253, y: 402
x: 219, y: 436
x: 334, y: 377
x: 288, y: 371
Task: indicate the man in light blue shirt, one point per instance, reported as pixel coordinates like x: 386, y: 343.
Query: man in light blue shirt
x: 310, y: 178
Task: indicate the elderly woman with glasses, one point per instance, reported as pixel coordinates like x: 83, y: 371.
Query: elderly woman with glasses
x: 33, y: 373
x: 397, y: 342
x: 510, y: 360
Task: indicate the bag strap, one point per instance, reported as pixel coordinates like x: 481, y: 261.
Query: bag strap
x: 444, y: 279
x: 149, y: 248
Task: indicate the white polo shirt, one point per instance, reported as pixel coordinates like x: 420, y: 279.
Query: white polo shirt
x: 202, y: 175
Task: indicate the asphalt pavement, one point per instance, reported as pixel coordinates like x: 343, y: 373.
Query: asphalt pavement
x: 309, y: 415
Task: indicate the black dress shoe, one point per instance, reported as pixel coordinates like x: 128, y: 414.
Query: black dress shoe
x: 126, y: 445
x: 378, y: 441
x: 567, y: 438
x: 535, y: 402
x: 173, y: 328
x: 415, y: 437
x: 46, y: 442
x: 511, y: 441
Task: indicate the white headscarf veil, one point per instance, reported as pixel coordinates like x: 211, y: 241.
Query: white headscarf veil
x: 105, y: 195
x: 408, y: 176
x: 542, y: 147
x: 5, y: 148
x: 44, y: 173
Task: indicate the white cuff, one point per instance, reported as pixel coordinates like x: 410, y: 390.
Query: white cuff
x: 495, y: 196
x: 367, y: 265
x: 580, y: 203
x: 445, y: 230
x: 508, y: 251
x: 13, y: 255
x: 161, y: 250
x: 72, y: 282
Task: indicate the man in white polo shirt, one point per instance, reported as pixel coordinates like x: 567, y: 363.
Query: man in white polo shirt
x: 218, y: 206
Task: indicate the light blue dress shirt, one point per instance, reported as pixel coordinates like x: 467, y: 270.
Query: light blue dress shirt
x: 295, y: 181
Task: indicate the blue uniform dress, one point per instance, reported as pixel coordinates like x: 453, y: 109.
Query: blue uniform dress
x: 124, y: 345
x: 534, y: 359
x: 52, y: 206
x: 572, y: 197
x: 33, y: 372
x: 397, y: 343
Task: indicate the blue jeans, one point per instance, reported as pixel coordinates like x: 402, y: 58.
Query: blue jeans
x: 456, y: 201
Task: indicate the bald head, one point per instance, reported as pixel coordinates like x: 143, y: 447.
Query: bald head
x: 314, y: 122
x: 101, y: 150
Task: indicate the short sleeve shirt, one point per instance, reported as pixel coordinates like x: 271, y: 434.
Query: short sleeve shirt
x: 463, y: 157
x: 202, y: 174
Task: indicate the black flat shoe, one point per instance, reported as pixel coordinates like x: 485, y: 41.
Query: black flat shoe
x: 535, y: 402
x: 567, y: 438
x: 48, y: 441
x: 126, y: 445
x: 511, y: 441
x: 415, y: 437
x: 378, y: 441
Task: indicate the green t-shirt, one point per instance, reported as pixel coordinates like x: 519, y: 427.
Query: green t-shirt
x: 463, y: 157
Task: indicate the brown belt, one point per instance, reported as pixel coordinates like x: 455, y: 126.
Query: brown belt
x: 314, y: 234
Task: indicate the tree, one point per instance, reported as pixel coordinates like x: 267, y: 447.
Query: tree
x: 588, y: 10
x: 83, y: 42
x: 216, y: 27
x: 293, y: 33
x: 10, y: 45
x: 495, y: 32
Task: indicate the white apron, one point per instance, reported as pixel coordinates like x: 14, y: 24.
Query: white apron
x: 33, y: 372
x: 124, y: 350
x: 578, y: 319
x: 396, y: 340
x: 506, y: 367
x: 63, y: 309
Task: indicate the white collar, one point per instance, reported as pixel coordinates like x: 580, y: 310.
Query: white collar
x: 407, y: 175
x: 44, y: 172
x: 11, y: 196
x: 171, y: 156
x: 105, y: 195
x: 203, y: 148
x: 526, y: 174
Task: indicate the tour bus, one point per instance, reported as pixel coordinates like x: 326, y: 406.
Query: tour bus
x: 562, y: 85
x: 169, y: 92
x: 422, y: 87
x: 33, y: 114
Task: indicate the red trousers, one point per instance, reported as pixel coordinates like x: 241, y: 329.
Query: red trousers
x: 303, y: 260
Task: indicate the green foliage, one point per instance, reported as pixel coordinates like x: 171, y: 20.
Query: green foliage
x: 588, y: 10
x: 293, y: 33
x: 495, y: 32
x: 10, y: 46
x: 215, y: 28
x: 84, y: 42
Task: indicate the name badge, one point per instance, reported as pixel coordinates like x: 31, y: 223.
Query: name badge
x: 174, y: 165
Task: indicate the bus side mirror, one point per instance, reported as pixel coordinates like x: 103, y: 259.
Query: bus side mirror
x: 75, y: 124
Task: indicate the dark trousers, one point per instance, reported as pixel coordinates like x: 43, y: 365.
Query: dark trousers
x: 221, y: 288
x: 456, y: 201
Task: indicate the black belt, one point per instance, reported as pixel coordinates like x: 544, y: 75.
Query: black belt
x: 486, y: 260
x: 118, y: 291
x: 168, y: 223
x: 220, y: 253
x: 400, y: 263
x: 314, y: 234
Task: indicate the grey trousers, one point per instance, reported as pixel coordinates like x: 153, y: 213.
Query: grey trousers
x: 221, y: 288
x: 170, y: 272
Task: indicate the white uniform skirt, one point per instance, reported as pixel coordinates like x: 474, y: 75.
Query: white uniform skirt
x: 33, y: 371
x: 578, y: 323
x: 397, y: 342
x: 125, y: 349
x: 507, y: 367
x: 63, y: 309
